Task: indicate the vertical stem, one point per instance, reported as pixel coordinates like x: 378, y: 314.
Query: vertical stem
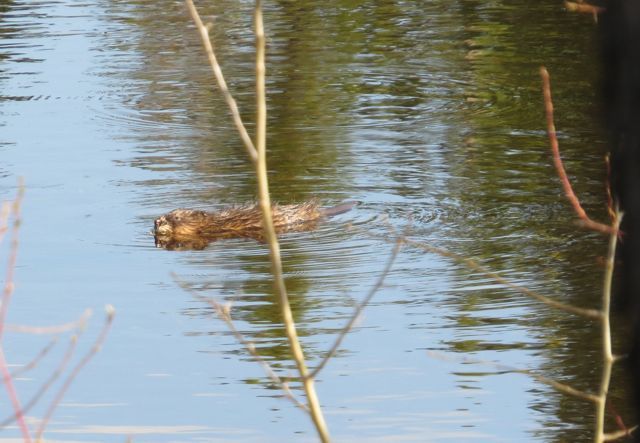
x: 269, y: 231
x: 4, y: 306
x: 605, y: 326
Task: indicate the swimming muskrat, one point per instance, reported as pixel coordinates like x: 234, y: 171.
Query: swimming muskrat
x: 195, y: 229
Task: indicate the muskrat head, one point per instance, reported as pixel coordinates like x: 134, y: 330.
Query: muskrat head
x: 162, y: 227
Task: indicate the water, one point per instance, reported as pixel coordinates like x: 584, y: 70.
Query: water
x: 430, y: 115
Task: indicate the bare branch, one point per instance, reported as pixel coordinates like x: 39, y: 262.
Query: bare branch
x: 4, y: 306
x: 607, y: 354
x: 224, y: 313
x: 474, y: 265
x: 561, y: 387
x: 222, y: 84
x: 80, y: 323
x: 358, y: 311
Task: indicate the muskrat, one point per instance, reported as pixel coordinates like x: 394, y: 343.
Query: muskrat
x: 194, y: 229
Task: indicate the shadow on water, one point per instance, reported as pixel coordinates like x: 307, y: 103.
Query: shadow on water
x: 429, y: 114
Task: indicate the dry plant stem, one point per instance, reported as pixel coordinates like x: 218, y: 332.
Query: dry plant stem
x: 6, y: 297
x: 585, y: 221
x: 611, y: 436
x: 472, y: 264
x: 358, y: 311
x: 509, y: 369
x: 607, y: 354
x: 13, y: 396
x: 222, y: 84
x: 224, y: 313
x: 257, y: 153
x: 110, y: 312
x: 270, y: 235
x: 80, y: 323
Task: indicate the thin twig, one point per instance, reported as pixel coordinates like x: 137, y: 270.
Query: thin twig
x: 6, y: 297
x: 562, y: 387
x: 474, y: 265
x: 224, y: 313
x: 271, y: 239
x: 257, y: 153
x: 358, y: 311
x: 585, y: 221
x: 110, y: 313
x: 34, y: 362
x: 222, y: 84
x: 80, y: 323
x: 611, y: 436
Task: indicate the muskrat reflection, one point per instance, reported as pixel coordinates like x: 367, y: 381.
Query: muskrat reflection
x: 195, y: 229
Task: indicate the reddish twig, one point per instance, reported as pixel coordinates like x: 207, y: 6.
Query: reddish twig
x: 610, y: 209
x: 6, y: 297
x: 584, y: 221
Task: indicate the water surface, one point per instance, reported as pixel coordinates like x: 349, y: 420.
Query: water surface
x: 429, y: 115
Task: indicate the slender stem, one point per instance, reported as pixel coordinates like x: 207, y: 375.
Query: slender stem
x: 472, y: 264
x: 6, y: 298
x: 222, y: 84
x: 224, y: 313
x: 607, y: 354
x: 356, y: 315
x: 270, y: 235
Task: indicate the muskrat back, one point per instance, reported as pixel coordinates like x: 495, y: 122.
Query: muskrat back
x: 241, y: 221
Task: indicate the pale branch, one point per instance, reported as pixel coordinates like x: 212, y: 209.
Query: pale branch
x: 612, y: 436
x: 224, y: 313
x: 271, y: 239
x: 359, y: 308
x: 80, y: 323
x: 222, y: 84
x: 561, y: 387
x: 474, y: 265
x: 607, y: 353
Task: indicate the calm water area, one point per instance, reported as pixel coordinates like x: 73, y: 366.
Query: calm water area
x: 429, y: 114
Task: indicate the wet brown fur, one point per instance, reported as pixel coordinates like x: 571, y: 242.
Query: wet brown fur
x: 195, y: 228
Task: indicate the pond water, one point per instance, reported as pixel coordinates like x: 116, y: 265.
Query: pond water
x: 428, y: 114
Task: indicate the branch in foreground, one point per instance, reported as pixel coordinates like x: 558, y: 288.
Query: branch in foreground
x: 472, y: 264
x: 224, y: 313
x: 358, y: 311
x: 562, y: 387
x: 14, y: 209
x: 607, y: 353
x: 80, y: 323
x: 222, y: 84
x: 585, y: 221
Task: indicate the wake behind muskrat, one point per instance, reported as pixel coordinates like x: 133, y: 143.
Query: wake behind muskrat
x: 195, y: 229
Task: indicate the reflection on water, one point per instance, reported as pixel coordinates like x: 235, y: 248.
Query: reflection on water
x: 429, y: 114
